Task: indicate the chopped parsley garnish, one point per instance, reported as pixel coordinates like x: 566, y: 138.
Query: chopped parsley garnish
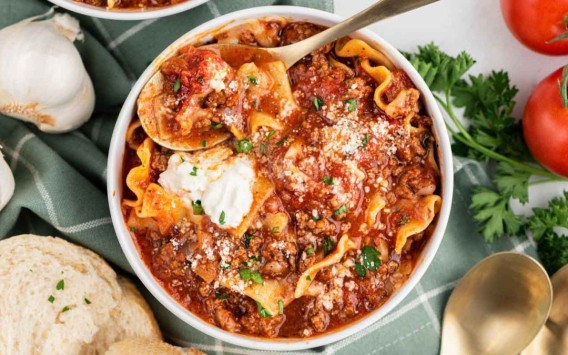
x: 60, y: 285
x: 200, y: 80
x: 328, y: 245
x: 253, y: 80
x: 254, y: 103
x: 247, y: 275
x: 262, y: 148
x: 245, y: 263
x: 204, y: 143
x: 221, y: 296
x: 369, y: 257
x: 360, y: 270
x: 351, y: 105
x: 365, y: 141
x: 328, y: 180
x: 316, y: 217
x: 282, y: 141
x: 244, y: 146
x: 51, y: 299
x: 341, y: 210
x: 133, y: 229
x: 65, y: 309
x: 254, y: 258
x: 309, y: 278
x: 271, y: 133
x: 310, y: 251
x: 275, y: 230
x: 369, y: 260
x: 264, y: 313
x: 193, y: 171
x: 248, y: 238
x: 177, y: 85
x: 318, y: 103
x: 216, y: 125
x: 87, y: 301
x: 197, y: 208
x: 257, y: 278
x: 280, y: 307
x: 222, y: 218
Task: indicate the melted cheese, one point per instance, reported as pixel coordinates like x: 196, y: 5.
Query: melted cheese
x: 221, y: 182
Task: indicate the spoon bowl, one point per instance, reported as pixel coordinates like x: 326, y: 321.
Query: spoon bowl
x: 498, y: 307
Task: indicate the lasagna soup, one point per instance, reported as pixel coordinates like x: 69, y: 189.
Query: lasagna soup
x: 300, y: 199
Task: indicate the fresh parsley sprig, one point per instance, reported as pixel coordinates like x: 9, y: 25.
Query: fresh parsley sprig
x: 491, y: 134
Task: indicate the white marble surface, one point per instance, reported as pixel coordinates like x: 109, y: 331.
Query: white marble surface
x: 477, y: 27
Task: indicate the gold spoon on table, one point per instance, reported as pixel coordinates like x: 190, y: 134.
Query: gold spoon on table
x: 150, y: 107
x: 498, y: 307
x: 553, y: 337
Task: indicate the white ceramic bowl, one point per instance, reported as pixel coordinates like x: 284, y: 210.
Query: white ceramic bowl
x: 115, y: 182
x: 127, y: 14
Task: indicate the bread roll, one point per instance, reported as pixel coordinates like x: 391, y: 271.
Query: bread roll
x: 59, y: 298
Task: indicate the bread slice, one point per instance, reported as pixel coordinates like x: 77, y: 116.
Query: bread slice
x: 139, y: 346
x: 59, y: 298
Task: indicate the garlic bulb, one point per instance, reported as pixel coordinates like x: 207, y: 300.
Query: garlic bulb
x: 42, y: 77
x: 7, y: 183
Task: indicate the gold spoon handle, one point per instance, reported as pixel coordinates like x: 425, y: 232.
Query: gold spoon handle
x: 383, y: 9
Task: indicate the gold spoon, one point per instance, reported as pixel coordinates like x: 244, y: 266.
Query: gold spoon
x: 150, y: 101
x: 292, y: 53
x: 498, y: 307
x: 553, y: 337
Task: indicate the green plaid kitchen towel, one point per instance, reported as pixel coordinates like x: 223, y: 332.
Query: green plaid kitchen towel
x: 60, y: 182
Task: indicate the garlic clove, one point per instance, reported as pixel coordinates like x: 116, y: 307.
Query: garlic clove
x: 7, y: 183
x: 42, y: 77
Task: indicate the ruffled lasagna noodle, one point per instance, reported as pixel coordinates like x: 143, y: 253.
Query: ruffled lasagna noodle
x: 299, y: 200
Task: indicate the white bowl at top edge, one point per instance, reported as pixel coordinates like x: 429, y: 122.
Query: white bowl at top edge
x: 115, y: 182
x: 127, y: 14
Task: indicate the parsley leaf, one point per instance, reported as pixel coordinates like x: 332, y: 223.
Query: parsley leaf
x: 200, y: 80
x: 60, y: 285
x: 216, y: 125
x: 222, y: 218
x: 369, y: 257
x: 253, y: 80
x: 246, y: 274
x: 197, y: 208
x: 221, y: 296
x: 494, y: 215
x: 512, y: 182
x: 193, y: 171
x: 328, y: 245
x: 244, y: 146
x: 51, y: 299
x: 177, y: 85
x: 264, y: 313
x: 545, y: 220
x: 280, y: 307
x: 318, y: 103
x: 351, y: 105
x: 360, y: 270
x: 341, y: 210
x: 328, y: 180
x: 248, y: 238
x: 310, y: 251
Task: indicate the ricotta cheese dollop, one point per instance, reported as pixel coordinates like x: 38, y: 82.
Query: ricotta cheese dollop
x: 221, y: 182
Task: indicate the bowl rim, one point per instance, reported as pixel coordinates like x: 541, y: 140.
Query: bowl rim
x: 128, y: 15
x: 114, y: 186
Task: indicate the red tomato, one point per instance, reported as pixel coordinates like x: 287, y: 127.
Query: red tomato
x: 535, y: 22
x: 545, y: 125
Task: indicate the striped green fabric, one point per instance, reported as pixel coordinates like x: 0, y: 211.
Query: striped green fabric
x: 60, y: 183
